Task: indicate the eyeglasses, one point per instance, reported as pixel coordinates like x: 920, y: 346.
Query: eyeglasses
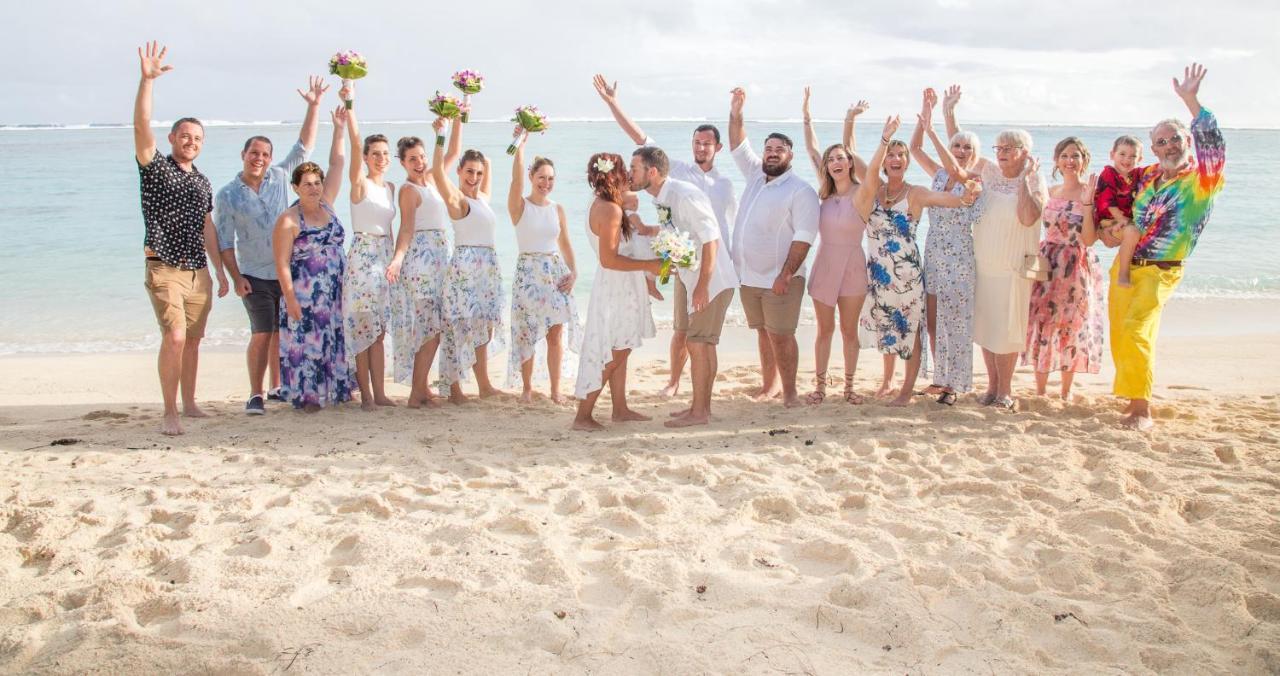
x: 1175, y: 140
x: 1005, y: 149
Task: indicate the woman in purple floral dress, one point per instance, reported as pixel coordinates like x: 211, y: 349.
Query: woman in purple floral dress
x: 307, y: 243
x: 1065, y: 331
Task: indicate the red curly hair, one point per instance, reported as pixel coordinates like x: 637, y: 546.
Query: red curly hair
x: 610, y: 186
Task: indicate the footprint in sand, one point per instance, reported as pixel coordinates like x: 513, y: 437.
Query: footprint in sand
x: 435, y: 587
x: 105, y: 415
x: 256, y: 548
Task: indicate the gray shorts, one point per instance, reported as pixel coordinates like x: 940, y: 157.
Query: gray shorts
x: 263, y: 305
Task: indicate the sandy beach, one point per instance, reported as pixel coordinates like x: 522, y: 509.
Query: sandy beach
x: 491, y: 539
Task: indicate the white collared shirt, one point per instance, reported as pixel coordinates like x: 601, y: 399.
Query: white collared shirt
x: 771, y: 216
x: 691, y: 212
x: 715, y: 186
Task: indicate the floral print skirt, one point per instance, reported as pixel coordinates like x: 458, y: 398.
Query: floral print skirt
x: 313, y: 354
x: 537, y: 304
x: 366, y: 294
x: 472, y: 311
x: 419, y: 299
x: 1065, y: 331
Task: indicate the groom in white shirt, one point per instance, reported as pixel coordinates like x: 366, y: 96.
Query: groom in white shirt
x: 700, y: 314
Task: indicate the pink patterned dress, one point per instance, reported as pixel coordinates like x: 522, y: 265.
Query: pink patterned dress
x: 1065, y: 331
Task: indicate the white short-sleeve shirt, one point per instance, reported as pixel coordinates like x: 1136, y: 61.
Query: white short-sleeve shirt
x: 716, y: 186
x: 691, y: 212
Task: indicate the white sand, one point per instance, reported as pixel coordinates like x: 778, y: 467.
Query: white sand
x: 490, y: 539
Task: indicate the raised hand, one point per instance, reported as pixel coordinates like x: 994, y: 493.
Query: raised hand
x: 152, y: 60
x: 1030, y: 166
x: 804, y: 107
x: 951, y: 97
x: 891, y: 125
x: 737, y: 97
x: 1189, y: 88
x: 347, y: 93
x: 858, y: 108
x: 606, y: 91
x: 1089, y: 189
x: 928, y: 100
x: 339, y: 117
x: 438, y: 125
x: 972, y: 190
x: 314, y: 91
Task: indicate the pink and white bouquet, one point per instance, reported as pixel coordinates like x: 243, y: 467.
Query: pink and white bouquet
x: 349, y: 66
x: 529, y: 120
x: 674, y: 247
x: 468, y: 82
x: 445, y: 106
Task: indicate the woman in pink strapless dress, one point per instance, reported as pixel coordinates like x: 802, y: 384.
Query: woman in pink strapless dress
x: 838, y: 279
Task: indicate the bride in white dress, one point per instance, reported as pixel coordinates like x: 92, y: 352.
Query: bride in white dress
x: 618, y: 316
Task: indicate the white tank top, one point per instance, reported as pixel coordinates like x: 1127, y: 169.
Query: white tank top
x: 539, y: 228
x: 373, y: 214
x: 477, y: 227
x: 432, y: 214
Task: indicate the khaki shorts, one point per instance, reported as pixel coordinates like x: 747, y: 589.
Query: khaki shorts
x: 778, y: 315
x: 180, y: 298
x: 704, y: 326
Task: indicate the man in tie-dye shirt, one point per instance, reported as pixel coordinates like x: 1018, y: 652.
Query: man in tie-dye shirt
x: 1171, y: 206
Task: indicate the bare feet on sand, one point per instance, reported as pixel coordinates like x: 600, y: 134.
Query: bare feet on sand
x: 687, y: 420
x: 628, y: 415
x: 587, y: 425
x: 192, y: 411
x: 169, y: 425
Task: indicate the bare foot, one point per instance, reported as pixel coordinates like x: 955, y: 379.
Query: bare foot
x: 628, y: 415
x: 687, y: 421
x: 883, y: 391
x: 670, y: 390
x: 384, y: 401
x: 767, y: 395
x: 558, y: 398
x: 1140, y: 423
x: 526, y: 397
x: 368, y: 405
x: 193, y: 411
x: 586, y: 425
x: 903, y: 399
x: 169, y: 425
x: 491, y: 391
x: 459, y: 399
x: 681, y: 413
x: 792, y: 401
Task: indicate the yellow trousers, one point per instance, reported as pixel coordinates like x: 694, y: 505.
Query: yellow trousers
x: 1135, y: 322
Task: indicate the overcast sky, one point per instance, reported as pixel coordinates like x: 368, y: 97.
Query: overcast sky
x: 1067, y: 62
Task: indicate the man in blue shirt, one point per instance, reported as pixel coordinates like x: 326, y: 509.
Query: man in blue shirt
x: 244, y: 213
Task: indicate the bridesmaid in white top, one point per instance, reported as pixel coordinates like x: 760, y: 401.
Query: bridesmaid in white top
x: 366, y: 293
x: 542, y: 291
x: 473, y: 282
x: 416, y: 273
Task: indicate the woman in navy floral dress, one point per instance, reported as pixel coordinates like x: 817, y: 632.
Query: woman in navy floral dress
x: 314, y: 371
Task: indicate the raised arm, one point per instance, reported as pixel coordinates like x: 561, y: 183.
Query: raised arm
x: 486, y: 183
x: 1031, y: 191
x: 811, y: 135
x: 452, y: 196
x: 356, y: 170
x: 311, y: 122
x: 515, y: 196
x: 151, y: 60
x: 1189, y: 89
x: 864, y: 200
x: 737, y: 128
x: 1211, y: 147
x: 851, y: 141
x: 455, y: 142
x: 337, y: 155
x: 949, y: 101
x: 924, y: 121
x: 609, y: 94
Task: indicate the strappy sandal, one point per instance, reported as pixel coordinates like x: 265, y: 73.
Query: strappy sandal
x: 947, y: 399
x: 819, y: 393
x: 1006, y: 404
x: 850, y: 396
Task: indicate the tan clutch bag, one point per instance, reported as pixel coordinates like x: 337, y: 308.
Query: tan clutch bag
x: 1035, y: 267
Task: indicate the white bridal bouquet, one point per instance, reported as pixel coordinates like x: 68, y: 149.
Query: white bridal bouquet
x: 674, y: 247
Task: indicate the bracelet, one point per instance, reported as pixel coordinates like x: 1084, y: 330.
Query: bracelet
x: 1087, y: 204
x: 440, y: 141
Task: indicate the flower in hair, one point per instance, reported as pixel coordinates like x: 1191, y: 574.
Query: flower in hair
x: 604, y: 165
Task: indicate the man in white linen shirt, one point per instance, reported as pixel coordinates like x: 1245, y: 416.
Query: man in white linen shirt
x: 700, y: 314
x: 777, y: 222
x: 703, y: 174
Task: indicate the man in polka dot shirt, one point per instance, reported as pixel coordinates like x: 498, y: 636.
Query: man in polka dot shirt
x: 179, y: 241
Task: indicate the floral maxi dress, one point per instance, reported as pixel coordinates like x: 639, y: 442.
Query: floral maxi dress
x: 1065, y: 331
x: 313, y: 360
x: 895, y: 280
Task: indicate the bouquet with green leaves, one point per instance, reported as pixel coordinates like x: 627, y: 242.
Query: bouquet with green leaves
x: 528, y: 119
x: 468, y: 82
x: 349, y: 66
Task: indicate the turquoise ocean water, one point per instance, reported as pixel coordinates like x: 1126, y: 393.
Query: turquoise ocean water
x: 71, y: 265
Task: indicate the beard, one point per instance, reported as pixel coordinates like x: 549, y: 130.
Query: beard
x: 775, y: 170
x: 637, y: 186
x: 1176, y: 163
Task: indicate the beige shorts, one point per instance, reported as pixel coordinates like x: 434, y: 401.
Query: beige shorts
x: 180, y: 298
x: 777, y: 314
x: 703, y: 326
